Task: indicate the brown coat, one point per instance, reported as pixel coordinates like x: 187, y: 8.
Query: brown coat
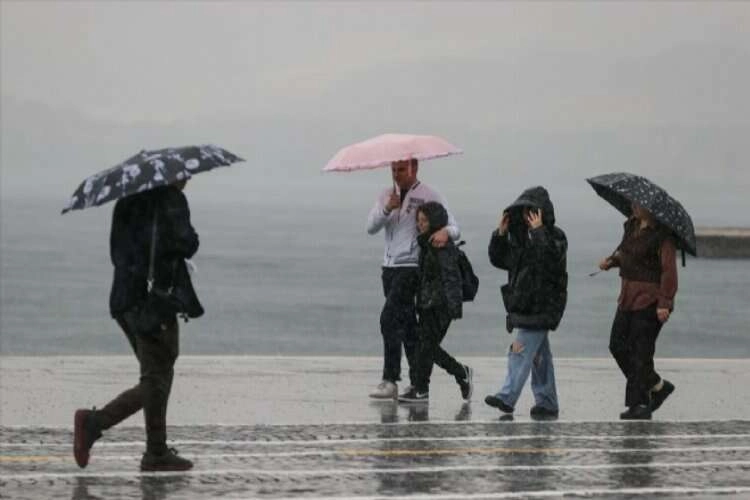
x: 648, y: 268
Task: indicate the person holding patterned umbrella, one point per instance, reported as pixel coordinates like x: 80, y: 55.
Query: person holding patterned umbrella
x: 646, y: 257
x: 150, y: 239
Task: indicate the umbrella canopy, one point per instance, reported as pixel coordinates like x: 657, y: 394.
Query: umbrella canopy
x: 384, y: 149
x: 621, y: 189
x: 148, y: 170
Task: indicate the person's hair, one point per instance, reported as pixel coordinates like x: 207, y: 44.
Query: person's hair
x: 437, y: 216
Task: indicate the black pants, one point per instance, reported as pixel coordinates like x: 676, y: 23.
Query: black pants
x: 431, y: 329
x: 398, y: 320
x: 156, y: 353
x: 632, y: 344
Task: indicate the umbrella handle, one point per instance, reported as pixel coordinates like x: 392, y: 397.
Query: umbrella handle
x: 595, y: 273
x: 683, y: 256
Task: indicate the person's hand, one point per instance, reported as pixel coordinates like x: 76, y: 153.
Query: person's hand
x: 605, y: 264
x: 534, y: 218
x: 502, y: 227
x: 394, y: 201
x: 662, y: 314
x: 440, y: 238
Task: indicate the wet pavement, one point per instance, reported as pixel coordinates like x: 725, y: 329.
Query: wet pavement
x: 304, y: 428
x: 498, y: 459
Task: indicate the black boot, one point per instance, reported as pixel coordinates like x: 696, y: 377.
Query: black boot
x: 637, y: 412
x: 165, y: 462
x: 498, y: 403
x: 658, y: 397
x: 541, y: 413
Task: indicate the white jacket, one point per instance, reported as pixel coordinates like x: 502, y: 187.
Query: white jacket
x: 401, y: 248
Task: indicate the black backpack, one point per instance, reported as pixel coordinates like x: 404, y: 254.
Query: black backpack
x: 469, y: 280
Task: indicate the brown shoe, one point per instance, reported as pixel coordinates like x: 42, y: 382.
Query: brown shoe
x: 166, y: 462
x: 85, y: 433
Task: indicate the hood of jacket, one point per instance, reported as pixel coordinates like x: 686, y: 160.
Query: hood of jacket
x: 534, y: 197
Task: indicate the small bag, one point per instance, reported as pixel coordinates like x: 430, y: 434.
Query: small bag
x: 469, y: 280
x: 161, y: 304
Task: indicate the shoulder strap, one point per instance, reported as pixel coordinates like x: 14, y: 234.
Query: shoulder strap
x: 152, y: 252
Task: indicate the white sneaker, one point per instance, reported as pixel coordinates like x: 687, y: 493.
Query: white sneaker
x: 385, y: 390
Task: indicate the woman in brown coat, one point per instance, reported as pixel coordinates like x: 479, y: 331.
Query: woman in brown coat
x: 646, y: 258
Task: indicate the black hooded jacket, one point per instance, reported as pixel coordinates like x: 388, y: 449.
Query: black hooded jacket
x: 439, y: 275
x: 130, y: 246
x: 536, y: 293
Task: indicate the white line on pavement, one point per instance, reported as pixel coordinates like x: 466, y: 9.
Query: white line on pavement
x: 495, y: 421
x: 333, y: 441
x: 544, y: 494
x: 372, y: 451
x: 370, y: 471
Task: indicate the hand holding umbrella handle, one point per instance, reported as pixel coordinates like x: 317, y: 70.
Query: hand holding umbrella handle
x: 394, y: 201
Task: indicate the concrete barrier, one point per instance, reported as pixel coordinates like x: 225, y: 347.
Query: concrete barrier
x: 723, y: 242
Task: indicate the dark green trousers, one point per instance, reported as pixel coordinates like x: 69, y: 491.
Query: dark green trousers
x: 156, y: 353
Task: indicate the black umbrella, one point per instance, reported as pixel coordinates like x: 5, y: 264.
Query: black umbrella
x: 621, y: 189
x: 148, y: 170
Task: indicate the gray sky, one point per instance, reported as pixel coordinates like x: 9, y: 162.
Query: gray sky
x: 534, y: 92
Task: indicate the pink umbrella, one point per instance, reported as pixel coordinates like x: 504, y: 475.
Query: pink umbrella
x: 380, y: 151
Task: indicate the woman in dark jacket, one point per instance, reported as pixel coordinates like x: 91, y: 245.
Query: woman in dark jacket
x: 646, y: 258
x: 439, y: 301
x: 533, y: 250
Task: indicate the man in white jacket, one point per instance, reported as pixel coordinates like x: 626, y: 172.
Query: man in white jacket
x: 395, y: 210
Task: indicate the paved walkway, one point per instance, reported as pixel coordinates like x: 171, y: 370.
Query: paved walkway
x: 302, y: 428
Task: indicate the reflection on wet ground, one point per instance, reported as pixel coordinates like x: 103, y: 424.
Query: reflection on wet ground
x: 405, y: 456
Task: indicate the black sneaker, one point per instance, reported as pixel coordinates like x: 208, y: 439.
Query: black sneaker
x: 658, y: 397
x: 407, y: 390
x: 498, y: 403
x: 85, y: 433
x: 414, y: 396
x: 636, y: 412
x: 541, y: 413
x: 166, y: 462
x: 466, y: 384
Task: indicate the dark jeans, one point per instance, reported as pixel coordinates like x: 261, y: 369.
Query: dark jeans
x: 431, y: 330
x: 633, y: 343
x: 398, y: 320
x: 156, y: 353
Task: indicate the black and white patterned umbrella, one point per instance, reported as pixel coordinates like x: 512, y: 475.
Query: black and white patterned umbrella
x: 621, y: 189
x: 148, y: 170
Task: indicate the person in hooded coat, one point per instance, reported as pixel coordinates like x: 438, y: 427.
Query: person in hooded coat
x: 162, y: 211
x: 646, y: 258
x: 533, y: 250
x: 439, y: 301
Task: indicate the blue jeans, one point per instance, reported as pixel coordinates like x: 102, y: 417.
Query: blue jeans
x: 535, y: 356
